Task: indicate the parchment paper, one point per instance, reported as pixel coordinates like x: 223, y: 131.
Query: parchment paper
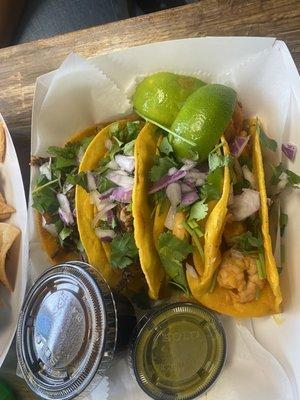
x: 261, y: 71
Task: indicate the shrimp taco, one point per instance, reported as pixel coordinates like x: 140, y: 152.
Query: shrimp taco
x: 244, y: 282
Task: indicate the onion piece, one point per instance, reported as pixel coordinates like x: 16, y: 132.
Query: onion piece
x: 238, y: 145
x: 195, y: 177
x: 188, y: 164
x: 112, y: 165
x: 289, y: 150
x: 126, y: 163
x: 64, y: 210
x: 91, y: 181
x: 186, y: 188
x: 191, y: 271
x: 45, y: 169
x: 119, y: 194
x: 106, y: 235
x: 108, y: 144
x: 51, y: 228
x: 95, y: 199
x: 166, y: 180
x: 102, y: 215
x: 67, y: 187
x: 172, y: 171
x: 120, y: 178
x: 173, y: 192
x: 245, y: 204
x: 249, y: 176
x: 170, y: 219
x: 189, y: 198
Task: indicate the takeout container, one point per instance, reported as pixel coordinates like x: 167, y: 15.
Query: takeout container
x: 82, y: 93
x: 12, y: 187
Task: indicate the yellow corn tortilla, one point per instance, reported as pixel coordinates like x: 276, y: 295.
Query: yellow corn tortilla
x: 8, y: 234
x: 143, y: 208
x: 50, y: 244
x: 220, y: 298
x: 97, y: 252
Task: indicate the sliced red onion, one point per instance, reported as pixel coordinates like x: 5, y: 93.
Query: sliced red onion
x: 170, y: 219
x: 108, y: 144
x: 91, y: 181
x: 238, y: 145
x: 166, y: 180
x: 106, y: 235
x: 102, y: 214
x: 65, y: 209
x: 120, y: 178
x: 126, y: 163
x: 119, y: 194
x: 195, y: 177
x: 51, y: 228
x: 189, y: 198
x: 289, y: 150
x: 186, y: 188
x: 45, y: 169
x: 173, y: 192
x: 248, y: 175
x: 245, y: 204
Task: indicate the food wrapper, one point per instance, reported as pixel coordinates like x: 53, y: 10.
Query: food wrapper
x: 263, y: 354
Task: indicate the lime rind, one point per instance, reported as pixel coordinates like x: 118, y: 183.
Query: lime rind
x: 191, y: 143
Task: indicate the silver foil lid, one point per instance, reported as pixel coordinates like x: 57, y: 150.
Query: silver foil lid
x: 67, y: 331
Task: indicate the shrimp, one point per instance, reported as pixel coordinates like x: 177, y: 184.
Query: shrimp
x: 238, y: 273
x: 232, y: 230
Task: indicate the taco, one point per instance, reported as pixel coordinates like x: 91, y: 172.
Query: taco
x: 243, y: 278
x: 53, y: 196
x: 105, y: 208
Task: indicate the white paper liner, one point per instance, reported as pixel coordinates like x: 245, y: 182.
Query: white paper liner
x: 257, y: 69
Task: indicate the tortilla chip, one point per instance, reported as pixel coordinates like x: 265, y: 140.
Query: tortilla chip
x: 5, y: 209
x: 2, y: 143
x: 8, y: 234
x: 142, y: 209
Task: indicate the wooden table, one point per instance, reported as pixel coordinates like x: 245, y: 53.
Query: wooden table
x: 20, y: 65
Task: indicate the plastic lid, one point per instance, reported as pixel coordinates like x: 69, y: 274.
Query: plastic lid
x: 178, y: 352
x: 67, y: 331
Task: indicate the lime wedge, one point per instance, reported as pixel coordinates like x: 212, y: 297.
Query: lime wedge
x: 202, y: 120
x: 160, y: 96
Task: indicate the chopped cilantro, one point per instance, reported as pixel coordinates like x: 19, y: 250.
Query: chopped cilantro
x: 165, y: 147
x: 161, y: 168
x: 265, y: 141
x: 103, y: 184
x: 128, y: 148
x: 216, y: 160
x: 293, y: 180
x: 65, y: 233
x: 79, y: 179
x: 247, y: 242
x: 198, y: 210
x: 173, y: 252
x: 123, y: 251
x: 212, y: 188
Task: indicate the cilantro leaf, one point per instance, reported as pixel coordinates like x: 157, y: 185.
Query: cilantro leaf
x: 283, y: 220
x: 161, y: 168
x: 165, y: 147
x: 64, y: 233
x: 265, y: 141
x: 212, y: 188
x: 173, y: 252
x: 123, y: 251
x: 128, y: 148
x: 198, y: 210
x: 247, y: 242
x: 216, y: 160
x: 103, y: 184
x: 78, y: 179
x: 293, y: 180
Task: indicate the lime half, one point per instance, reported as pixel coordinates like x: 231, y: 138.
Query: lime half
x: 160, y: 96
x: 202, y: 120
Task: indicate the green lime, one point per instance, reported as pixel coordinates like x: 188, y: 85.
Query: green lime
x: 160, y: 96
x: 201, y: 122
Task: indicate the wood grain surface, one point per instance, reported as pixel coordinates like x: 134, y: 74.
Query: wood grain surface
x: 21, y: 65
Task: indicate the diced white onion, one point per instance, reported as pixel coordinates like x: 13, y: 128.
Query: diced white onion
x: 173, y: 192
x: 126, y: 163
x: 245, y: 204
x: 120, y: 178
x: 248, y: 175
x: 45, y: 169
x: 49, y: 227
x: 91, y: 181
x: 170, y: 219
x: 65, y: 209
